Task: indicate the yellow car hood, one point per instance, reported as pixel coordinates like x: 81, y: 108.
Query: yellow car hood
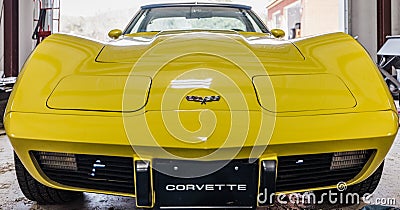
x: 168, y: 67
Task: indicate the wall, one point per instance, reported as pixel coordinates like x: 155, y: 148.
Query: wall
x: 363, y: 23
x: 344, y: 15
x: 315, y: 16
x: 278, y: 5
x: 320, y: 17
x: 2, y: 43
x: 284, y: 14
x: 25, y: 30
x: 395, y: 17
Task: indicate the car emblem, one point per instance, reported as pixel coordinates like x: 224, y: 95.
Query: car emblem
x: 203, y: 100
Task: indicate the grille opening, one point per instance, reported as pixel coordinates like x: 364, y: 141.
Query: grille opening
x: 108, y: 173
x: 116, y: 174
x: 319, y: 170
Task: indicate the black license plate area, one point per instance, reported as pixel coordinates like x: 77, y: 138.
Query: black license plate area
x: 234, y: 185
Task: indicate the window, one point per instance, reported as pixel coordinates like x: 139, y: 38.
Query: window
x: 196, y: 17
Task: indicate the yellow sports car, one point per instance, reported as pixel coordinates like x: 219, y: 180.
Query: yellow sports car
x: 199, y: 105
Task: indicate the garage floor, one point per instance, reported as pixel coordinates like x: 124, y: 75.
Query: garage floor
x: 12, y: 198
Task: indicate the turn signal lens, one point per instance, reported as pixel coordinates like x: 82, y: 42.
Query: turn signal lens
x: 62, y: 161
x: 341, y: 160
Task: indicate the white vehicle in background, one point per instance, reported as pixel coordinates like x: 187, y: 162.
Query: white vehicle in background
x: 389, y: 64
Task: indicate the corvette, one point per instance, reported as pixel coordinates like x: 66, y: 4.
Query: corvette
x: 198, y: 105
x: 206, y: 187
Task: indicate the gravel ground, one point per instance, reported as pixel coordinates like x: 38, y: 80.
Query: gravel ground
x: 12, y: 198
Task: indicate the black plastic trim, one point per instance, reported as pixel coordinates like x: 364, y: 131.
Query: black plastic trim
x: 267, y: 182
x: 143, y: 184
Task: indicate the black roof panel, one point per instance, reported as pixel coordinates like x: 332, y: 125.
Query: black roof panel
x: 239, y: 6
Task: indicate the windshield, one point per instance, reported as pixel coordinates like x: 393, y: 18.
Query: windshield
x: 195, y: 18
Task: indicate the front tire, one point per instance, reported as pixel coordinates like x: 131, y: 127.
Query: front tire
x: 363, y: 188
x: 35, y: 191
x: 369, y: 185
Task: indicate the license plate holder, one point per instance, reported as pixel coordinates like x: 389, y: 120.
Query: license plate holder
x: 232, y: 186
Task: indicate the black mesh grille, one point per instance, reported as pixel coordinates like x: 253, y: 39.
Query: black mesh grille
x: 114, y: 174
x: 311, y: 171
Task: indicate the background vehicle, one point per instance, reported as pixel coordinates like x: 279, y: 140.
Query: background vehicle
x: 389, y: 64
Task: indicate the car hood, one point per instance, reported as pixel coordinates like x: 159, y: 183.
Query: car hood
x: 196, y: 70
x: 200, y: 65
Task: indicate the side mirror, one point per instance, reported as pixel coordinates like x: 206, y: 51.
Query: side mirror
x: 278, y: 33
x: 115, y: 34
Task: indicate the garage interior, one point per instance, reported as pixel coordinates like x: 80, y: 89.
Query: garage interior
x: 370, y: 21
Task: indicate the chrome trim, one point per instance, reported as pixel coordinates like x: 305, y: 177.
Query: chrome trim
x: 142, y: 166
x: 203, y: 100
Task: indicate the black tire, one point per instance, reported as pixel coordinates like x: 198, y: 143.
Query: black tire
x: 365, y: 187
x: 369, y: 185
x: 3, y: 104
x: 35, y: 191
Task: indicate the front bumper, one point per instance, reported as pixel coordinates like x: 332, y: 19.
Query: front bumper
x: 92, y: 136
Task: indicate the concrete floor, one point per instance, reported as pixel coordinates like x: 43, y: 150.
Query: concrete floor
x: 12, y: 198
